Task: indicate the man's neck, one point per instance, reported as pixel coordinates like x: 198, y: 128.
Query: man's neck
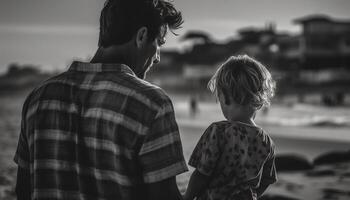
x: 111, y: 55
x: 119, y: 54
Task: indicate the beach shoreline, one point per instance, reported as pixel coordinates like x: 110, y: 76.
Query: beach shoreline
x: 308, y: 142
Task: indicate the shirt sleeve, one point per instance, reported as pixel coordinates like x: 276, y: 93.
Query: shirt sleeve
x: 269, y: 174
x: 207, y: 152
x: 161, y: 154
x: 22, y: 157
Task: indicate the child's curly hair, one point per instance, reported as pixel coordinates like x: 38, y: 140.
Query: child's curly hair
x: 246, y: 80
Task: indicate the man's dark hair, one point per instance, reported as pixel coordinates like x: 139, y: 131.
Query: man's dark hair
x: 120, y: 19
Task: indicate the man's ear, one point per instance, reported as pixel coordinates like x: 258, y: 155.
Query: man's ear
x: 141, y: 37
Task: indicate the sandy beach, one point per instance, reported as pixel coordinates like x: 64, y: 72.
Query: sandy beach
x: 306, y: 141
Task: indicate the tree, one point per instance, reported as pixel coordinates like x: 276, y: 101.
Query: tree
x: 197, y: 36
x: 15, y: 69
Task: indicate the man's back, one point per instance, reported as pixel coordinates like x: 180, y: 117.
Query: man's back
x: 98, y: 132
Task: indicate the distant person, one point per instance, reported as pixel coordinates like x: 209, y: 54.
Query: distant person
x: 339, y: 98
x: 98, y: 130
x: 193, y: 106
x: 235, y: 159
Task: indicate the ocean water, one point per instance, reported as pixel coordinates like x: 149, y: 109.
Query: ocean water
x: 302, y: 129
x: 292, y: 120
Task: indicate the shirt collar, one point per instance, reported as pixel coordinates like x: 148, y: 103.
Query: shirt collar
x: 100, y: 67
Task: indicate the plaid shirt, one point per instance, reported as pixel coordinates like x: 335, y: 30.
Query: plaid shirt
x: 98, y: 132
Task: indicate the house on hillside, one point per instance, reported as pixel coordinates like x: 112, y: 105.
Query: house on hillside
x: 254, y: 40
x: 324, y: 42
x: 317, y: 60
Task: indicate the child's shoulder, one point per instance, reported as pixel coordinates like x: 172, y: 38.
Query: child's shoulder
x: 233, y: 126
x: 266, y: 140
x: 222, y: 123
x: 215, y: 129
x: 218, y: 126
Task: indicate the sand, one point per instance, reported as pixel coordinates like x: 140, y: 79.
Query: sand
x: 309, y: 141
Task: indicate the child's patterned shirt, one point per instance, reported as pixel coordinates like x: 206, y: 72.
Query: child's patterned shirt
x: 238, y: 157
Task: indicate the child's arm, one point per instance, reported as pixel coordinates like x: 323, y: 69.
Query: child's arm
x: 260, y: 191
x: 269, y: 175
x: 196, y: 186
x: 204, y: 159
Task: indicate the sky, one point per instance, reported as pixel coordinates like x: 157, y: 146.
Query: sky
x: 52, y: 33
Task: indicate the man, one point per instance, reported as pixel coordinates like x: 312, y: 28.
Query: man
x: 98, y: 130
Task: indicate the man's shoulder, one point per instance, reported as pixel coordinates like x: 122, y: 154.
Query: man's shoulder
x: 150, y: 91
x: 36, y: 92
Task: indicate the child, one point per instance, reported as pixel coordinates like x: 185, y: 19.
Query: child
x: 234, y: 159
